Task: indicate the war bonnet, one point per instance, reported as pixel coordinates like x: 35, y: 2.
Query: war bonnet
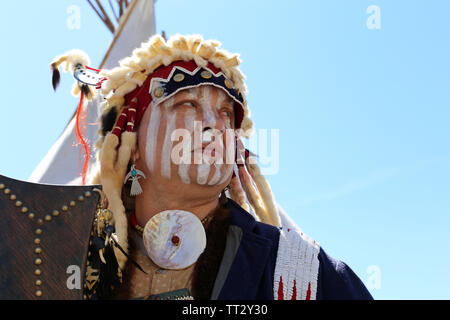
x: 155, y: 72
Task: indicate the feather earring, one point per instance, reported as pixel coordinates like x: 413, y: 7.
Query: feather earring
x: 134, y: 175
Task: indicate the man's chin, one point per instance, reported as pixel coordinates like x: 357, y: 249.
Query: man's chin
x: 198, y: 172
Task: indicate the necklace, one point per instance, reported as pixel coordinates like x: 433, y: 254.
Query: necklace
x: 174, y: 239
x: 140, y: 229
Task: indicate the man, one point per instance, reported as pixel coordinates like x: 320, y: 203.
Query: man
x: 179, y: 187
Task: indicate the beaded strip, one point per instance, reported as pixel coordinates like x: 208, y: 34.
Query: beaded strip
x: 297, y: 267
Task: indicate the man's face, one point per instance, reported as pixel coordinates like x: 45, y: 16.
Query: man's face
x: 189, y: 138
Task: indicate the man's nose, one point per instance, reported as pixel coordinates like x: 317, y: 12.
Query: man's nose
x: 212, y: 120
x: 207, y: 134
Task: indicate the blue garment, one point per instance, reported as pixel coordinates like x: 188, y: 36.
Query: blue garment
x: 247, y: 270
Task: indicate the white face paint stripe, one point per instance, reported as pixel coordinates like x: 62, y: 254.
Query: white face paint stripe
x: 166, y: 160
x: 189, y: 119
x: 152, y: 136
x: 193, y: 93
x: 220, y: 99
x: 227, y: 173
x: 217, y: 174
x: 183, y: 168
x: 205, y: 101
x: 203, y: 173
x: 183, y: 172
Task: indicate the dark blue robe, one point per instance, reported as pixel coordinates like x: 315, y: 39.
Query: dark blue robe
x: 248, y: 266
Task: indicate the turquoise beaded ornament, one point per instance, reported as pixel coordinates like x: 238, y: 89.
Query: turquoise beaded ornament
x: 134, y: 175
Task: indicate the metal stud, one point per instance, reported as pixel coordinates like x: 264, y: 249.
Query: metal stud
x: 13, y: 197
x: 38, y: 282
x: 158, y: 92
x: 228, y: 84
x: 80, y: 198
x: 38, y: 250
x: 55, y: 213
x: 24, y: 209
x: 87, y: 194
x: 37, y: 272
x: 64, y: 208
x: 39, y: 293
x: 40, y: 222
x: 2, y: 186
x: 38, y: 231
x: 37, y: 241
x: 206, y: 74
x: 48, y: 218
x: 178, y: 77
x: 19, y: 203
x: 72, y: 203
x: 31, y: 216
x: 7, y: 191
x: 37, y: 261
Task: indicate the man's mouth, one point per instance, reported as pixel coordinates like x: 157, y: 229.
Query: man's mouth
x: 210, y: 152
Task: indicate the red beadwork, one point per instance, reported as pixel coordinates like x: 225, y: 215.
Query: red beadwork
x: 176, y: 240
x: 294, y: 292
x: 308, y: 293
x: 280, y: 289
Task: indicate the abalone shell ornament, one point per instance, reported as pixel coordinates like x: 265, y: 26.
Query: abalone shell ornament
x: 174, y: 239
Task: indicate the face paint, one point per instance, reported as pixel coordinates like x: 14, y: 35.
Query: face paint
x: 167, y: 147
x: 208, y: 103
x: 228, y: 122
x: 183, y: 172
x: 227, y: 173
x: 203, y: 173
x: 204, y: 168
x: 192, y: 93
x: 209, y: 117
x: 220, y: 98
x: 210, y: 120
x: 217, y: 174
x: 183, y: 168
x: 189, y: 119
x: 152, y: 136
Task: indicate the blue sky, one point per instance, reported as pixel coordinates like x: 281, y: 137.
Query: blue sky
x: 363, y: 116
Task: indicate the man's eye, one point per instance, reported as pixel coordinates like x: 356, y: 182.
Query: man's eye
x: 227, y: 113
x: 186, y: 103
x: 189, y: 103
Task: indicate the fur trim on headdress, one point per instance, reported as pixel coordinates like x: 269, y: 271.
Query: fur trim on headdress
x: 112, y: 172
x: 264, y: 190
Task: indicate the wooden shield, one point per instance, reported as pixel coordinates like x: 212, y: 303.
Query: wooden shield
x: 44, y: 239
